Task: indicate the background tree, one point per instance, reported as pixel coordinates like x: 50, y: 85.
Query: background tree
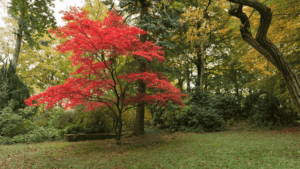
x: 33, y: 17
x: 45, y: 67
x: 158, y: 19
x: 205, y: 26
x: 97, y: 10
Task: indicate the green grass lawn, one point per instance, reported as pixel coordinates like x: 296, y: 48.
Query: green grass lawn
x: 232, y: 149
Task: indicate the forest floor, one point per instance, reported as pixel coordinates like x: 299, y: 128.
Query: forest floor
x: 240, y: 147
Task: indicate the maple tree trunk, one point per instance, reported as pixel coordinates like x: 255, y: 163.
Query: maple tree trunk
x: 118, y: 128
x: 119, y: 134
x: 264, y: 46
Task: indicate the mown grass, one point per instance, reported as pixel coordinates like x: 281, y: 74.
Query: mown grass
x: 234, y: 149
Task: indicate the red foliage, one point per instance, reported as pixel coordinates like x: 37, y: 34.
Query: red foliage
x: 94, y: 44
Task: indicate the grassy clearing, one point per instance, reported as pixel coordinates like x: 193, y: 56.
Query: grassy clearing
x: 239, y: 148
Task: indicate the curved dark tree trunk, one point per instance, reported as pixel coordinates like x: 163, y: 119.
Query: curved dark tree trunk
x: 263, y: 45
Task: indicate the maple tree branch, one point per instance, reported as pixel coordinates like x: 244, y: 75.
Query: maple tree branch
x: 130, y: 107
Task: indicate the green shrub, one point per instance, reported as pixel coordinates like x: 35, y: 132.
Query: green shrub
x: 61, y: 118
x: 12, y: 124
x: 6, y: 140
x: 204, y: 119
x: 81, y: 122
x: 81, y: 128
x: 228, y: 107
x: 201, y: 113
x: 39, y: 134
x: 264, y: 109
x: 249, y: 102
x: 202, y: 99
x: 191, y: 118
x: 101, y: 116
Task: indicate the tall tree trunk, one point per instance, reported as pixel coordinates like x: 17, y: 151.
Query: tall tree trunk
x: 17, y: 49
x: 202, y: 63
x: 206, y: 82
x: 236, y: 85
x: 200, y: 70
x: 180, y: 84
x: 264, y: 46
x: 187, y: 76
x: 201, y: 52
x: 140, y: 110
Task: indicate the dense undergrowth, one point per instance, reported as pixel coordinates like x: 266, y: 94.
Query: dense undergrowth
x: 202, y: 113
x: 205, y: 113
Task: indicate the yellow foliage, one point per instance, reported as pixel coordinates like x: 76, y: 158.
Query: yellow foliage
x: 196, y: 16
x: 97, y: 10
x: 148, y: 116
x: 128, y: 118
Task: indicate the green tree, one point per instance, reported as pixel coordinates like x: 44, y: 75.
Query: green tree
x: 159, y: 19
x: 34, y: 18
x: 97, y: 10
x: 205, y: 24
x: 45, y: 67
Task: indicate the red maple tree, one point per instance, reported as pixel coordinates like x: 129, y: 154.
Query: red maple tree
x: 103, y: 50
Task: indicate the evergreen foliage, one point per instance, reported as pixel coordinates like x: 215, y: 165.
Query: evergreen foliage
x: 12, y: 88
x: 161, y: 22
